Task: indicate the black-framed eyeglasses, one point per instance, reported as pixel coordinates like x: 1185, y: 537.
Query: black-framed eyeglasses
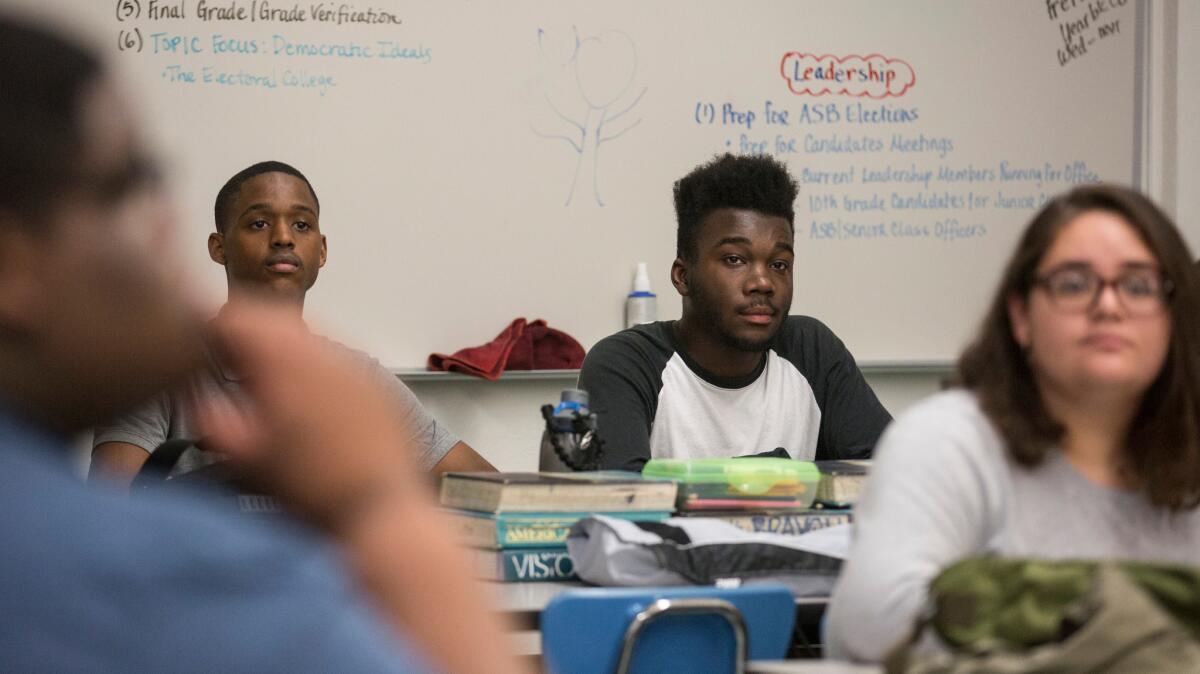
x: 1141, y: 291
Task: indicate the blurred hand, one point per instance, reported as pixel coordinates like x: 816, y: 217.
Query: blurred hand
x: 317, y: 433
x: 323, y: 437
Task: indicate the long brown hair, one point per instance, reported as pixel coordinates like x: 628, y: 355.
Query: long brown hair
x: 1162, y: 451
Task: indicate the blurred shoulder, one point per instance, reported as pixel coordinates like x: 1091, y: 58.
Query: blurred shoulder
x: 948, y: 427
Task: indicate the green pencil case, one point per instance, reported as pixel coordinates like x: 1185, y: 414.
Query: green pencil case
x: 783, y: 482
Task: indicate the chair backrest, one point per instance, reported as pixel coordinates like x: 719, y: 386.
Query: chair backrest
x: 593, y: 630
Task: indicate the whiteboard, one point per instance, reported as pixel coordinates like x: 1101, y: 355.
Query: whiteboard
x: 478, y: 161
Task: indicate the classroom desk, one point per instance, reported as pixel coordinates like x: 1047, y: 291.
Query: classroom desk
x: 523, y: 604
x: 521, y: 598
x: 808, y: 667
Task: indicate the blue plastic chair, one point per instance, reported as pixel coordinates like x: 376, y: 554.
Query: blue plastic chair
x: 666, y: 629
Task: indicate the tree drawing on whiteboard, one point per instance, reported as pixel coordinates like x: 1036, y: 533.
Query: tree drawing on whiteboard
x: 589, y: 88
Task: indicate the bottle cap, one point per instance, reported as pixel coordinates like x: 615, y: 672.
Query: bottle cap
x: 641, y: 280
x: 575, y: 395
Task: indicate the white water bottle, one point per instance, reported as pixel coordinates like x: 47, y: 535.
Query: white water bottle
x: 641, y: 305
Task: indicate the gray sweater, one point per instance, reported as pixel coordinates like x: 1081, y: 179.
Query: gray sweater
x: 943, y: 488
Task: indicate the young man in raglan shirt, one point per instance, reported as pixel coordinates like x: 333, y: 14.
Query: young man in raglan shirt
x: 735, y: 375
x: 268, y: 238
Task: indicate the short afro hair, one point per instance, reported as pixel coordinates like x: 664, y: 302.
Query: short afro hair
x: 229, y: 191
x: 751, y: 182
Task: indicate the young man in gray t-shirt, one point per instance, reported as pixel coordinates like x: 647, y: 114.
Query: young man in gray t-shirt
x: 269, y: 240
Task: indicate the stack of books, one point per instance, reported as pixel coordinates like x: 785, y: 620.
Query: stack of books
x: 518, y: 522
x: 783, y: 521
x: 841, y: 482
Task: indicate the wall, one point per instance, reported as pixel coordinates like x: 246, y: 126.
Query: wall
x: 478, y: 161
x: 1187, y: 178
x: 502, y: 419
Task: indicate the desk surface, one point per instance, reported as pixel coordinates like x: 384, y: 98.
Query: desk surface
x: 808, y: 667
x: 533, y: 597
x: 529, y: 597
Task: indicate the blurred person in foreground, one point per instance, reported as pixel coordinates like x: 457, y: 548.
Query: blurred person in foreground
x: 1075, y: 433
x: 91, y: 322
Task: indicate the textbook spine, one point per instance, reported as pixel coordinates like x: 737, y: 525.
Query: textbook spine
x: 788, y: 524
x: 532, y: 530
x: 527, y: 565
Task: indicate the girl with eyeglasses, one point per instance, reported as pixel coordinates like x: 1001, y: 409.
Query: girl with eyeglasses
x: 1073, y: 432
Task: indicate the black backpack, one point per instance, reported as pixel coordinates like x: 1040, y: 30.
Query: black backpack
x: 217, y: 480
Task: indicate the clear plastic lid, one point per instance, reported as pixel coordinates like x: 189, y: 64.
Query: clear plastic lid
x: 751, y: 475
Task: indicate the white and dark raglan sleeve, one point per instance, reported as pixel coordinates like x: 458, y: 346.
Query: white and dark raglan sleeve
x: 852, y: 418
x: 622, y: 375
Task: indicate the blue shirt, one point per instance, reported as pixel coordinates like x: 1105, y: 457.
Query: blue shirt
x: 97, y: 581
